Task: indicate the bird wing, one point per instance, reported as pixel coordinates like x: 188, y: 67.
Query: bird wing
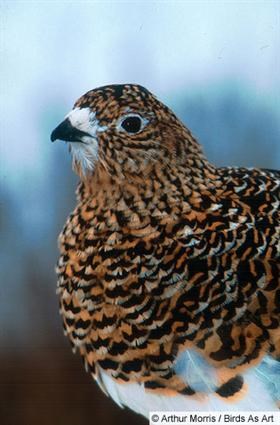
x: 236, y: 257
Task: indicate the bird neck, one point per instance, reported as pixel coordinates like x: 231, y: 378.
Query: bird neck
x: 186, y: 186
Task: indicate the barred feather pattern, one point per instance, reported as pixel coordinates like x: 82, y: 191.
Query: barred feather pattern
x: 176, y: 256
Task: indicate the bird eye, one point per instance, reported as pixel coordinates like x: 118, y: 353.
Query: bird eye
x: 132, y: 124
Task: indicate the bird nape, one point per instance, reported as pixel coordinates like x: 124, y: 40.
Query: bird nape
x: 168, y: 275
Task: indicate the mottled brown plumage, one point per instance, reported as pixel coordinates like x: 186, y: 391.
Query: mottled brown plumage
x: 165, y: 252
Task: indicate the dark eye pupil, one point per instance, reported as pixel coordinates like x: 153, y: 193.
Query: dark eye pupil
x: 132, y: 124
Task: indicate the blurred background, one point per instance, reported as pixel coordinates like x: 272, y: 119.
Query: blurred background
x: 215, y: 63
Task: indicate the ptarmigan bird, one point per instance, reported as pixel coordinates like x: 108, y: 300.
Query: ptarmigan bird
x: 168, y: 276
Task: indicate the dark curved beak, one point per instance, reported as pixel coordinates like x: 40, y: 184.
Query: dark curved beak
x: 65, y: 131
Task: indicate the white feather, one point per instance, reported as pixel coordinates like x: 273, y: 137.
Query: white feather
x: 194, y: 369
x: 85, y: 153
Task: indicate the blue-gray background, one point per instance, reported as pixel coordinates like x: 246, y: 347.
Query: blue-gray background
x: 215, y: 63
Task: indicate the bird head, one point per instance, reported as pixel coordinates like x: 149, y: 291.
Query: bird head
x: 126, y: 131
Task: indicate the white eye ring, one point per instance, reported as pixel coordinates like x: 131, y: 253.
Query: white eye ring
x: 132, y: 123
